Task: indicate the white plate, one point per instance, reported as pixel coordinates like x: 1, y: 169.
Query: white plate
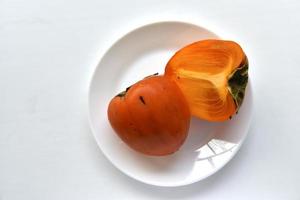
x: 143, y: 52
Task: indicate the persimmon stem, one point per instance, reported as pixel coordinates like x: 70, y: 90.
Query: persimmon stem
x: 237, y: 83
x: 123, y: 93
x: 156, y: 74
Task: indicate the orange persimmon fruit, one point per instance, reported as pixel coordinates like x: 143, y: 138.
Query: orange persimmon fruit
x: 212, y: 74
x: 152, y: 116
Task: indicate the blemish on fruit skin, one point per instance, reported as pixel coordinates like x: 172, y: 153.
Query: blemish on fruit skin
x: 142, y: 100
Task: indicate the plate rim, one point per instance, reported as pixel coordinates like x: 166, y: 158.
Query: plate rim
x: 92, y: 128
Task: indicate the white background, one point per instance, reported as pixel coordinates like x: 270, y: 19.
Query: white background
x: 48, y: 51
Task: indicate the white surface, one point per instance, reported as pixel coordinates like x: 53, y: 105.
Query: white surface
x: 142, y: 52
x: 48, y: 51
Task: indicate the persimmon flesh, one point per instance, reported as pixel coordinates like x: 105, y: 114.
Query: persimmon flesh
x: 212, y: 75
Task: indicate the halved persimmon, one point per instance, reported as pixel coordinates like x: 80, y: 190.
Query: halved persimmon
x: 212, y: 75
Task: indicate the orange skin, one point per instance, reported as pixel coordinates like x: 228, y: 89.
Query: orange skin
x: 152, y: 117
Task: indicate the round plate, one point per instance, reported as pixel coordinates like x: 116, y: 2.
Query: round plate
x: 142, y: 52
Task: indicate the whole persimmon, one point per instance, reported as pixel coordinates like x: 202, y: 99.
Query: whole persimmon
x: 152, y: 116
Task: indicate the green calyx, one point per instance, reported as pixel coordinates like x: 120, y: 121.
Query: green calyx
x: 237, y: 83
x: 123, y: 93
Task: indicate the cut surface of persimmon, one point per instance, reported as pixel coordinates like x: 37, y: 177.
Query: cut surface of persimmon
x: 152, y: 116
x: 213, y: 75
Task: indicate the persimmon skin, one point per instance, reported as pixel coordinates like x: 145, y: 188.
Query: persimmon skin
x: 152, y: 117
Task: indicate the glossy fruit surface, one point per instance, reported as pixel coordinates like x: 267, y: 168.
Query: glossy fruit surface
x: 151, y: 116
